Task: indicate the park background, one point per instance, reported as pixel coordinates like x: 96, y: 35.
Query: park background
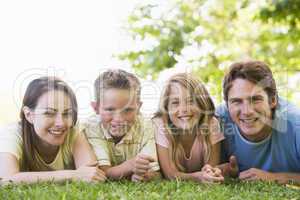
x: 76, y: 40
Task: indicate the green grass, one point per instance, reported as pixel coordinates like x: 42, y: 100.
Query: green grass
x: 153, y: 190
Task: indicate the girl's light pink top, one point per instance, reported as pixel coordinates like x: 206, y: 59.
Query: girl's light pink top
x: 196, y: 160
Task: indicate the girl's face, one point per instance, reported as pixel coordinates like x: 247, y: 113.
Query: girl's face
x: 182, y: 108
x: 52, y: 117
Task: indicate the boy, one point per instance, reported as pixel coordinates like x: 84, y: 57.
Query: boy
x: 122, y: 140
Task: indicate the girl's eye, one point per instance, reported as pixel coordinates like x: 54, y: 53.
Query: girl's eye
x: 174, y: 102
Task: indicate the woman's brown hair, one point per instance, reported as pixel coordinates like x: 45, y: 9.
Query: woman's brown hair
x: 34, y: 91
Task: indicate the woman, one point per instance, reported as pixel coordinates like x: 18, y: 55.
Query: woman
x: 46, y: 145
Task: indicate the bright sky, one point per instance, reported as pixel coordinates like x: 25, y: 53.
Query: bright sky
x: 73, y: 39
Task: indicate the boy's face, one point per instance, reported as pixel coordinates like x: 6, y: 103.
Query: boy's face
x: 118, y: 109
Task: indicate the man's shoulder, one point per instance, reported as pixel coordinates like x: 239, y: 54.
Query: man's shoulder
x: 287, y: 111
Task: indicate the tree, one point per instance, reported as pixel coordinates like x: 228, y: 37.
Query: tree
x: 206, y: 36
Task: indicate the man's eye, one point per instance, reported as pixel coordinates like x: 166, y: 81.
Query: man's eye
x: 256, y: 100
x: 235, y: 101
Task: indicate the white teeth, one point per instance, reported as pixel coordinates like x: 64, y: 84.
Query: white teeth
x: 248, y: 120
x: 56, y: 132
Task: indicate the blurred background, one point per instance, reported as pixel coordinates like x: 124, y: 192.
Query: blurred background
x: 76, y: 40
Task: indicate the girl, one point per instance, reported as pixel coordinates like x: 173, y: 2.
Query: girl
x: 187, y: 133
x: 46, y: 138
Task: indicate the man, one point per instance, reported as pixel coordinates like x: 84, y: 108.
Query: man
x: 262, y: 130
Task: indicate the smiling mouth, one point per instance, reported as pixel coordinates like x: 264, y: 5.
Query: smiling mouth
x: 249, y: 120
x: 186, y: 117
x: 56, y: 132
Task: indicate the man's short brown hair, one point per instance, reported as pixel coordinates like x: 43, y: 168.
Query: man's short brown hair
x: 256, y: 72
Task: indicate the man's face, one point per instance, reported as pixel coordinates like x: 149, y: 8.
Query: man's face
x: 250, y: 109
x: 118, y: 109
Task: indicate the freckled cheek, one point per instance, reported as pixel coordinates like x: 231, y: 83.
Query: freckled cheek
x: 105, y: 117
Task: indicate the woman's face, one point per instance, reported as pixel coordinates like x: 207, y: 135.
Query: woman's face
x: 52, y: 117
x: 182, y: 108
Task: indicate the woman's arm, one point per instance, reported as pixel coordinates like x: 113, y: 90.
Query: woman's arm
x: 85, y: 161
x: 9, y: 172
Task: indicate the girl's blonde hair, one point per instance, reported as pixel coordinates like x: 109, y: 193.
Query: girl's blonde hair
x: 204, y: 103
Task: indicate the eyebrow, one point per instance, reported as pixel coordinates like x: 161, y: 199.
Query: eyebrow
x: 53, y: 109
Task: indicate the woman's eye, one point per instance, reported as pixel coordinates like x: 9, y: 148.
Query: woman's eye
x: 68, y: 114
x: 49, y: 114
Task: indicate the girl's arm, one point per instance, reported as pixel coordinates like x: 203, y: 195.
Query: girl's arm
x: 170, y: 171
x: 215, y: 154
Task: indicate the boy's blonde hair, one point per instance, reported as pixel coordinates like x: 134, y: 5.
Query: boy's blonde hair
x: 117, y: 79
x: 206, y: 106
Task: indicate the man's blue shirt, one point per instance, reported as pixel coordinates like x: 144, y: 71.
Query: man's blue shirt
x: 279, y: 152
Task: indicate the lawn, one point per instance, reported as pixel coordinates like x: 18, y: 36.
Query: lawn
x: 153, y: 190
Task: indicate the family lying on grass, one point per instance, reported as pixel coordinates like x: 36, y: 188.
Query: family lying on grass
x: 255, y: 135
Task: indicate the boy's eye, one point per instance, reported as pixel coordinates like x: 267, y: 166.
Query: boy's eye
x: 109, y: 109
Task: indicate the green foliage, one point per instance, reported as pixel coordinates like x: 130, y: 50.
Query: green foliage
x: 207, y: 36
x: 153, y: 190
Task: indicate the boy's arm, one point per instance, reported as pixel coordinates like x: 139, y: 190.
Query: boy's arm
x: 124, y: 170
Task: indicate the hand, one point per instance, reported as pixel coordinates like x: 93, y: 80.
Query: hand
x: 256, y: 174
x: 137, y: 178
x: 232, y: 167
x: 212, y: 170
x: 141, y: 164
x: 90, y: 173
x: 208, y: 174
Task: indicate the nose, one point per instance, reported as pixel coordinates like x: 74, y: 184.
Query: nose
x: 247, y: 108
x: 59, y: 120
x: 118, y: 117
x: 183, y: 108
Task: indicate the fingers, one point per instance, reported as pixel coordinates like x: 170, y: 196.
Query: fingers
x: 233, y: 162
x: 210, y: 178
x: 137, y: 178
x: 142, y: 164
x: 247, y: 176
x: 93, y: 164
x: 146, y: 157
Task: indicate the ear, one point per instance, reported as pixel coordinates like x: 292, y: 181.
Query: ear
x: 140, y: 103
x: 95, y: 106
x: 273, y: 102
x: 28, y: 114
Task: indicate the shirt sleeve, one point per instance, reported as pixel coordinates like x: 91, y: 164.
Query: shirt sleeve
x: 148, y: 145
x: 11, y: 140
x: 98, y: 144
x: 215, y: 131
x: 160, y: 133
